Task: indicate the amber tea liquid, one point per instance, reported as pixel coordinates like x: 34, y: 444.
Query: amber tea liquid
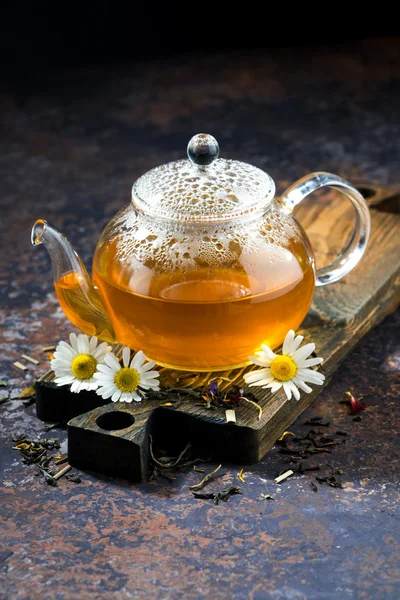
x: 208, y: 318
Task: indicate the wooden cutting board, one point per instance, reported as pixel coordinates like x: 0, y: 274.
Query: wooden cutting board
x: 114, y: 438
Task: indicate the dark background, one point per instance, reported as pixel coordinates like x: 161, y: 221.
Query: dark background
x: 91, y: 97
x: 37, y: 37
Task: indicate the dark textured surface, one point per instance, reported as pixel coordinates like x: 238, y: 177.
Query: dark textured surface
x: 70, y: 149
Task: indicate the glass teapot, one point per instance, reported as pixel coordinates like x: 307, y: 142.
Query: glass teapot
x: 204, y: 265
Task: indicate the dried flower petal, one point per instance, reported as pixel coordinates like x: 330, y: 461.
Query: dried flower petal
x: 355, y: 406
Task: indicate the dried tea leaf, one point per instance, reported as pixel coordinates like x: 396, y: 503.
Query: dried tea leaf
x: 217, y: 496
x: 73, y: 478
x: 204, y: 481
x: 48, y: 477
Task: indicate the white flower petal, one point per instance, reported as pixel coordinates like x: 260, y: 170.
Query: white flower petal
x: 254, y: 376
x: 303, y: 352
x: 150, y: 386
x: 303, y: 386
x: 102, y: 379
x: 136, y: 397
x: 106, y: 392
x: 74, y: 341
x: 268, y: 352
x: 65, y: 347
x: 150, y: 375
x: 138, y: 360
x: 112, y: 361
x: 66, y: 380
x: 274, y: 386
x: 83, y: 344
x: 106, y: 370
x: 128, y: 399
x: 296, y: 343
x: 262, y: 382
x: 309, y: 362
x: 126, y: 355
x: 64, y: 353
x: 59, y: 363
x: 261, y: 362
x: 92, y: 344
x: 311, y: 376
x: 294, y: 389
x: 100, y: 352
x: 75, y: 386
x: 288, y: 342
x: 288, y: 390
x: 116, y: 396
x: 146, y: 367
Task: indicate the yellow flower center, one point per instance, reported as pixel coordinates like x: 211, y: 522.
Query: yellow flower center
x: 127, y: 379
x: 283, y: 368
x: 83, y: 366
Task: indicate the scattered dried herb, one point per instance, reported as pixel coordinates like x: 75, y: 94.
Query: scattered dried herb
x: 355, y: 406
x: 215, y: 398
x: 20, y: 366
x: 62, y: 472
x: 73, y: 478
x: 26, y: 393
x: 48, y: 477
x: 53, y: 426
x: 330, y: 479
x: 230, y: 416
x: 284, y: 434
x: 217, y: 496
x: 317, y: 421
x: 205, y: 480
x: 3, y: 384
x: 48, y: 349
x: 313, y: 486
x: 28, y: 396
x: 30, y: 359
x: 284, y: 476
x: 268, y: 497
x: 198, y: 470
x: 240, y: 476
x: 33, y: 451
x: 36, y: 452
x: 163, y: 463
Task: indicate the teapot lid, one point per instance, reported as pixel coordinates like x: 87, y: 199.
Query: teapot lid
x: 203, y: 188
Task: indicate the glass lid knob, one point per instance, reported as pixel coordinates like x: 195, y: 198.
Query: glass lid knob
x: 203, y: 149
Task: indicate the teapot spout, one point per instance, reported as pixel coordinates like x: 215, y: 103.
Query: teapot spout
x: 78, y: 297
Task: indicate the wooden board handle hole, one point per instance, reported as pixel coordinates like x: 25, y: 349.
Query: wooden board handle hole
x: 115, y: 420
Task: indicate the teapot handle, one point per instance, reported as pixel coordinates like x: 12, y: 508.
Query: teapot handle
x: 352, y: 253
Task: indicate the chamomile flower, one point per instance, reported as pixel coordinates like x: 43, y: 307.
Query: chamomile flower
x: 124, y: 383
x: 288, y: 370
x: 75, y: 364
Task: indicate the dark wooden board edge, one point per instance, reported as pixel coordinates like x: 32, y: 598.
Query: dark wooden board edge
x: 57, y: 404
